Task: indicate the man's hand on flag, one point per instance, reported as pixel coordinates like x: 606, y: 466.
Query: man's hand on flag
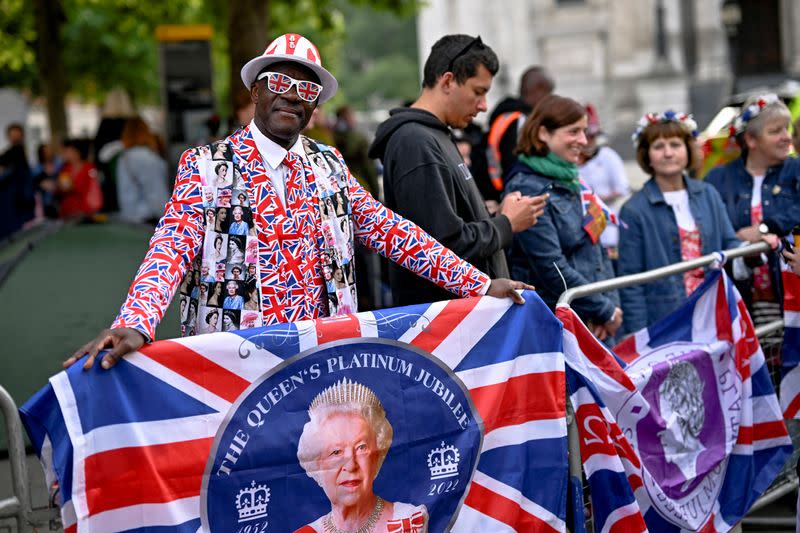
x: 121, y: 341
x: 507, y: 288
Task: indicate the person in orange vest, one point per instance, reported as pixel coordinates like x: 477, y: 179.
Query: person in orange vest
x: 505, y: 123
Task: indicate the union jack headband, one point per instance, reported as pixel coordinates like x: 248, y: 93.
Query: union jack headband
x: 685, y: 120
x: 750, y: 112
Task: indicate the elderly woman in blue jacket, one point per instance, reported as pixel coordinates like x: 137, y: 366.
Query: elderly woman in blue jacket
x: 562, y: 250
x: 761, y: 191
x: 673, y: 218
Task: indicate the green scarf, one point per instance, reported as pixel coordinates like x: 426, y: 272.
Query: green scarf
x: 554, y: 167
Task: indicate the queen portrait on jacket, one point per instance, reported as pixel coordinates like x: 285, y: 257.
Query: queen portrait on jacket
x: 342, y: 448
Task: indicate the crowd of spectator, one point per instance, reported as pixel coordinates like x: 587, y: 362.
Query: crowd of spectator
x: 542, y: 144
x: 535, y: 196
x: 676, y: 216
x: 125, y: 178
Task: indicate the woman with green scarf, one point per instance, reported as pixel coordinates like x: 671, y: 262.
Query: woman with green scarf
x: 563, y: 249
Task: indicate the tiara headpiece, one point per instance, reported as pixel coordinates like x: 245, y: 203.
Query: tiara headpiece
x: 345, y: 392
x: 750, y: 112
x: 687, y: 121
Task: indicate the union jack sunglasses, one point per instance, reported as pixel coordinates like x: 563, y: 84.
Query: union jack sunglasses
x: 280, y: 83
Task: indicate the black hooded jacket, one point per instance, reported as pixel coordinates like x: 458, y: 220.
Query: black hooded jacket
x: 426, y: 181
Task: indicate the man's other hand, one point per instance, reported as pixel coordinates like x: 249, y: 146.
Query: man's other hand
x: 121, y: 341
x: 523, y: 211
x: 793, y: 259
x: 507, y: 288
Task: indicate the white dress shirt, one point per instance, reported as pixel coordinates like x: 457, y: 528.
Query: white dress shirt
x: 272, y: 155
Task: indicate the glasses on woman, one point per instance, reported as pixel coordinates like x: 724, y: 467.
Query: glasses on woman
x: 280, y: 83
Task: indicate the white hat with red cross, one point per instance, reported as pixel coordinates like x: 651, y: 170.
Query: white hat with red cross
x: 295, y: 48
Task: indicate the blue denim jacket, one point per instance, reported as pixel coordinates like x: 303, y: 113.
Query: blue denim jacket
x: 558, y: 237
x: 649, y: 239
x: 780, y: 194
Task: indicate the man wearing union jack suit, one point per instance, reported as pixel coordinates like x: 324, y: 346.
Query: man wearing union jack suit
x: 292, y: 233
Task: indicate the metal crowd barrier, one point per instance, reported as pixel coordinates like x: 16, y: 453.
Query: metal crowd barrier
x: 770, y: 337
x: 19, y: 505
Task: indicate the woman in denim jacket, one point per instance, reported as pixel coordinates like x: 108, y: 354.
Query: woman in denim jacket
x: 761, y: 192
x: 562, y: 250
x: 673, y: 218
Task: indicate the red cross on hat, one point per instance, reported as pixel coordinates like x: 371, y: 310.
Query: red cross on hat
x: 295, y: 48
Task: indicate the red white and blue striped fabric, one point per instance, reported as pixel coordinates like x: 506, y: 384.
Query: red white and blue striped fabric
x: 790, y: 351
x: 612, y: 461
x: 129, y: 446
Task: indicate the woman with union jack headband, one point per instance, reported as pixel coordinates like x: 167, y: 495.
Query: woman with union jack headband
x: 673, y: 218
x: 761, y: 191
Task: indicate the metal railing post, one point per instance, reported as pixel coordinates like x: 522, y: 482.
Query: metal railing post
x: 651, y: 275
x: 19, y: 505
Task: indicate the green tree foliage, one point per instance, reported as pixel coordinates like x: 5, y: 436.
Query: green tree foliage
x: 110, y: 43
x: 105, y: 43
x: 379, y: 54
x: 17, y: 45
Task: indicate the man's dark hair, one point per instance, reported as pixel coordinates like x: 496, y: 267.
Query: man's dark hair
x: 83, y: 146
x: 461, y: 55
x: 536, y: 76
x: 15, y: 126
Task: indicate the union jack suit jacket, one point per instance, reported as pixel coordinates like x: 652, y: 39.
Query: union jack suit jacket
x: 287, y: 244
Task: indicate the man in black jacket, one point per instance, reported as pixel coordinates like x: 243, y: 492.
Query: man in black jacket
x: 427, y: 181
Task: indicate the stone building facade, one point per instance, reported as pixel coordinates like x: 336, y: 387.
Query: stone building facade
x: 630, y: 56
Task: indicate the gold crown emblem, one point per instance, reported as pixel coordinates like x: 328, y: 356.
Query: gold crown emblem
x: 443, y: 461
x: 345, y: 392
x: 251, y: 502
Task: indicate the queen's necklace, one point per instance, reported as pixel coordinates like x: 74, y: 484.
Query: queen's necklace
x: 327, y: 522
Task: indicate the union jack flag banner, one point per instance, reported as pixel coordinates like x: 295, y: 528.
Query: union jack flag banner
x: 440, y: 417
x: 681, y: 430
x: 790, y: 351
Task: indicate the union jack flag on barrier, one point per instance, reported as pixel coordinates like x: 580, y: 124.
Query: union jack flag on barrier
x: 202, y: 433
x: 790, y: 351
x: 681, y: 430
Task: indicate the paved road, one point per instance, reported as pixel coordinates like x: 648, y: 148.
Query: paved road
x: 64, y: 290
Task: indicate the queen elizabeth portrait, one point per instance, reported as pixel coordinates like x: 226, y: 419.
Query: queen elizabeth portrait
x: 683, y: 411
x: 342, y: 448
